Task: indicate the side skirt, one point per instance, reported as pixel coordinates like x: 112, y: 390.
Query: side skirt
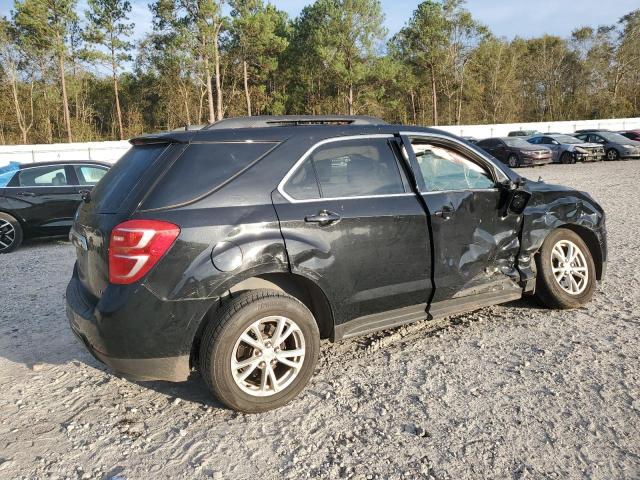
x: 415, y: 313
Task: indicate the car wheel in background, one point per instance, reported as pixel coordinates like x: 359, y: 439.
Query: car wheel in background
x: 566, y: 275
x: 10, y: 233
x: 567, y: 158
x: 260, y: 351
x: 612, y: 154
x: 513, y: 161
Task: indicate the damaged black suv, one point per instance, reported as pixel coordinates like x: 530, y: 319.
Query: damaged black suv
x: 235, y: 249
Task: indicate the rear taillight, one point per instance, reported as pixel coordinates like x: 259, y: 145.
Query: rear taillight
x: 136, y: 246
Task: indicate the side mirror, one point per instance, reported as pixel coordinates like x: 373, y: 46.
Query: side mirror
x: 518, y: 201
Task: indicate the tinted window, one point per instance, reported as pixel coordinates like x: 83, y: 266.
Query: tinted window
x: 535, y: 140
x: 121, y: 179
x: 445, y: 169
x: 88, y: 175
x: 201, y: 169
x: 303, y: 184
x: 50, y: 176
x: 356, y: 168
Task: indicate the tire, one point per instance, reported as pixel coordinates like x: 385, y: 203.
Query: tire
x: 221, y: 343
x: 567, y: 158
x: 513, y: 161
x: 10, y: 233
x: 553, y: 292
x: 612, y: 155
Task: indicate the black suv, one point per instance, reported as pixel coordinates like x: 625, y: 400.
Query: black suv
x: 234, y: 250
x: 40, y: 199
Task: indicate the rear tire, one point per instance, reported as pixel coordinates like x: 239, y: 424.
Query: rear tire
x: 10, y: 233
x: 243, y: 363
x: 566, y: 271
x: 567, y: 158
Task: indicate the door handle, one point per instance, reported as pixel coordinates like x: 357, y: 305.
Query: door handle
x: 446, y: 213
x: 26, y: 194
x: 322, y: 218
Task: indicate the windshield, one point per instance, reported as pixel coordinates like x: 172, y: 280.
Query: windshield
x: 567, y: 139
x: 614, y: 137
x: 516, y: 142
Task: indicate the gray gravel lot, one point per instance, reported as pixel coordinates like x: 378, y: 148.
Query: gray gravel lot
x: 508, y: 392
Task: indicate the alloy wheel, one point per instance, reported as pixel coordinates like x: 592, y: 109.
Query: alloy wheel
x: 7, y: 235
x: 268, y: 356
x: 612, y: 154
x: 569, y: 267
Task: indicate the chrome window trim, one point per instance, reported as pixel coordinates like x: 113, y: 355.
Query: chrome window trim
x: 498, y: 171
x: 306, y: 155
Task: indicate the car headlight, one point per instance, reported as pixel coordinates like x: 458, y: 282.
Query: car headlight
x: 581, y: 150
x: 629, y: 146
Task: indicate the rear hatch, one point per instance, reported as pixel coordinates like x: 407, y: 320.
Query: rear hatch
x: 112, y: 201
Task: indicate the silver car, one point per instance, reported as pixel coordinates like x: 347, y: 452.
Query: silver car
x: 569, y: 149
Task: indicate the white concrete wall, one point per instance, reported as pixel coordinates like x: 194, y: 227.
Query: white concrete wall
x: 112, y: 151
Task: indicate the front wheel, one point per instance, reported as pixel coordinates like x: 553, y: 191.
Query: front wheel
x: 513, y: 161
x: 566, y: 271
x: 10, y: 233
x: 567, y: 158
x: 260, y: 351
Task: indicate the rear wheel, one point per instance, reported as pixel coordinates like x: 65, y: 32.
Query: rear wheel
x: 513, y: 161
x: 612, y: 154
x: 10, y: 233
x: 260, y: 352
x: 567, y: 158
x: 566, y: 271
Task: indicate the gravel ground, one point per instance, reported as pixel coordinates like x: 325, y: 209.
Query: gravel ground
x: 508, y: 392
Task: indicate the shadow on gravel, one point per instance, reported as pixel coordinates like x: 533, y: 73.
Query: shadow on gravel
x: 529, y: 302
x: 193, y: 390
x: 31, y: 243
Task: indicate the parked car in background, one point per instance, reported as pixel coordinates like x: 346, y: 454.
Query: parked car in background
x: 523, y: 133
x: 589, y: 130
x: 473, y: 140
x: 616, y: 146
x: 516, y: 151
x: 40, y: 199
x: 234, y: 251
x: 569, y: 149
x: 631, y: 134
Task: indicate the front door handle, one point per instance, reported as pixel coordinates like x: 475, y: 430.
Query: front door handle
x: 322, y: 218
x: 446, y: 213
x: 26, y: 194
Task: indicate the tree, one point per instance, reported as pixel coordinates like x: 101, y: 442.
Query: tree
x: 258, y: 36
x: 14, y: 62
x: 108, y: 30
x: 45, y: 24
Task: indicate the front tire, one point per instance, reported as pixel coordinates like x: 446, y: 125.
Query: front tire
x: 566, y: 271
x: 567, y: 158
x: 10, y: 233
x: 260, y: 351
x: 513, y: 161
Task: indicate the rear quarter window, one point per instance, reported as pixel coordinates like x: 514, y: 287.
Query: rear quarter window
x: 203, y: 168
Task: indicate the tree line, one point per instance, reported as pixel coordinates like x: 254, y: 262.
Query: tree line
x: 78, y: 76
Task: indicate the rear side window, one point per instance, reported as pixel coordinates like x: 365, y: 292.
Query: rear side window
x: 89, y: 175
x: 120, y: 180
x: 203, y: 168
x: 347, y: 168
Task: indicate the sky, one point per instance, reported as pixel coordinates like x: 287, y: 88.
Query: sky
x: 505, y: 18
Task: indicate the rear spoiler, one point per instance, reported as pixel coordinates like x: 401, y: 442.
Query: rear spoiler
x: 159, y: 139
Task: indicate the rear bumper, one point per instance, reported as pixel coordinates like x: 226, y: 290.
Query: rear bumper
x: 135, y: 333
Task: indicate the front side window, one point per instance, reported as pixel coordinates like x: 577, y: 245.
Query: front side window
x: 49, y: 176
x: 89, y: 175
x: 347, y: 168
x: 445, y: 169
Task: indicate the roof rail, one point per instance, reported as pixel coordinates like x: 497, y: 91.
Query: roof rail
x: 261, y: 121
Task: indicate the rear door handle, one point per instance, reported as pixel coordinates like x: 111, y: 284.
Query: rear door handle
x: 322, y: 218
x: 446, y: 213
